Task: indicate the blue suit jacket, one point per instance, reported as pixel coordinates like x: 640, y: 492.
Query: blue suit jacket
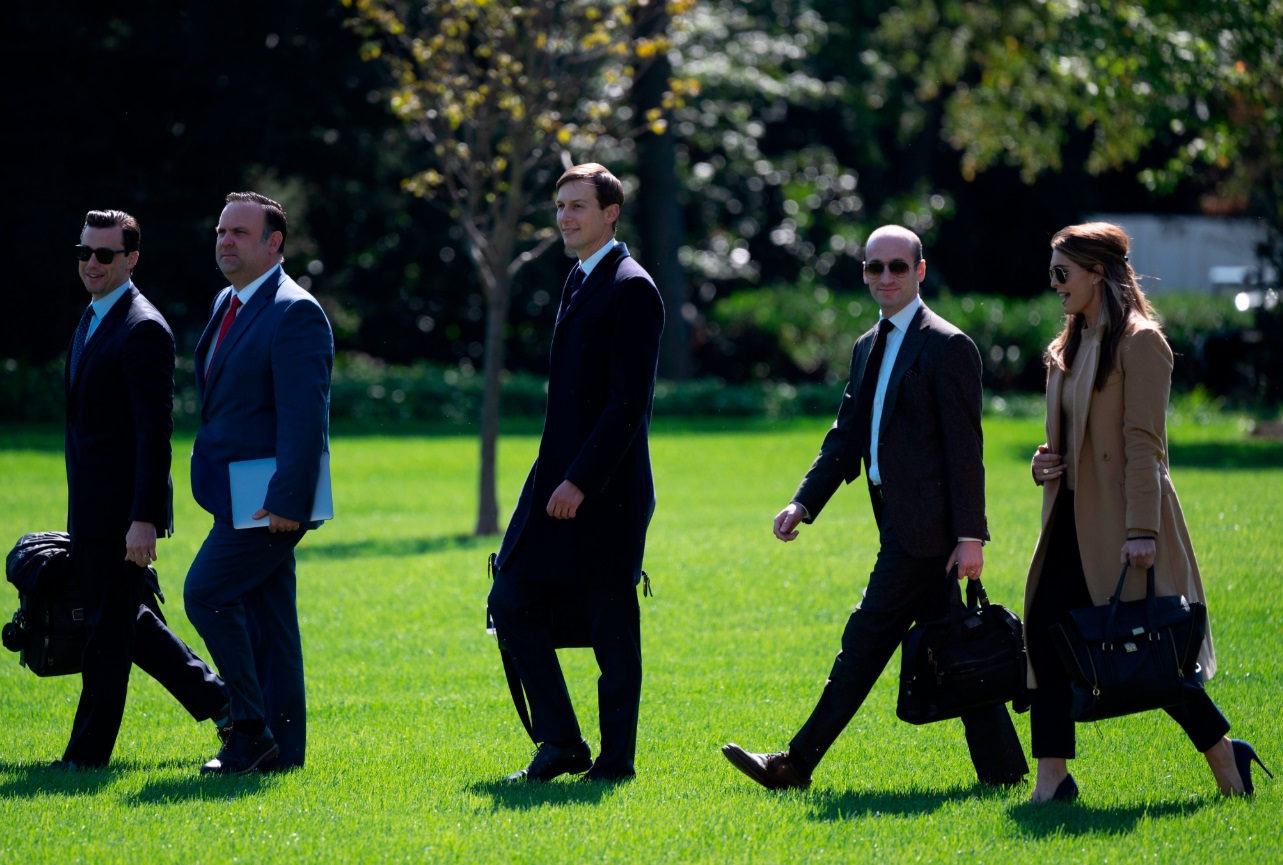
x: 267, y: 394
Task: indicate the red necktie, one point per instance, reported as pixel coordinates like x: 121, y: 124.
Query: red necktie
x: 227, y: 323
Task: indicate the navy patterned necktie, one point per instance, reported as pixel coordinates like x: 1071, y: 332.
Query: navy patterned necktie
x: 576, y: 282
x: 78, y: 344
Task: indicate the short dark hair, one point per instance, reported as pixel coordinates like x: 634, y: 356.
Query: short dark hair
x: 609, y: 189
x: 130, y: 233
x: 274, y: 218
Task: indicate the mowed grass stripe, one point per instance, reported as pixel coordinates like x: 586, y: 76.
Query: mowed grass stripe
x: 411, y: 726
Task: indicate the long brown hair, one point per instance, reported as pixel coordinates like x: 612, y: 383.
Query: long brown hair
x: 1104, y: 245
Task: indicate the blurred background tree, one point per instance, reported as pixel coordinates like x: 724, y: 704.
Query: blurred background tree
x: 503, y: 99
x: 800, y: 125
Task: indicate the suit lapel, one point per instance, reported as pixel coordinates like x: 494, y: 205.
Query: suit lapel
x: 601, y: 274
x: 244, y: 320
x: 915, y: 337
x: 119, y: 310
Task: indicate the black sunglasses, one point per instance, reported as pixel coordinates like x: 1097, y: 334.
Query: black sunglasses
x: 899, y: 267
x: 102, y: 253
x: 1059, y: 273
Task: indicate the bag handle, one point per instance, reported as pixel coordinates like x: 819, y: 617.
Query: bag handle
x: 1117, y: 599
x: 976, y: 597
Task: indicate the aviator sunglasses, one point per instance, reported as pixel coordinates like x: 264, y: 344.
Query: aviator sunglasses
x: 102, y: 253
x: 1059, y: 273
x: 899, y: 267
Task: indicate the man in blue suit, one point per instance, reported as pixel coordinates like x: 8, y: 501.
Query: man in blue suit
x: 120, y: 391
x: 574, y: 546
x: 263, y: 378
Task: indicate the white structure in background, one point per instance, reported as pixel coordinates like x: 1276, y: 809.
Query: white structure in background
x: 1197, y: 253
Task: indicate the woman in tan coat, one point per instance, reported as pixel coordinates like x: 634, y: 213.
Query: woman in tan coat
x: 1107, y: 495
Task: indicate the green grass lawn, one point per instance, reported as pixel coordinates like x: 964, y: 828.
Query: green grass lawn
x: 412, y: 727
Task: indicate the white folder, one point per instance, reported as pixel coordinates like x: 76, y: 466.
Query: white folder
x: 249, y: 491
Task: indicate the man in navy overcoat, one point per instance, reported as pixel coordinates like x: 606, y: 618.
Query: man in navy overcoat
x: 575, y: 543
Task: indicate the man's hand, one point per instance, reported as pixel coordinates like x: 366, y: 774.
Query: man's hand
x: 140, y: 544
x: 275, y: 523
x: 1140, y: 552
x: 565, y: 501
x: 970, y: 558
x: 787, y: 521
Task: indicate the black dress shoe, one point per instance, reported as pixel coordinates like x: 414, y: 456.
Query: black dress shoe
x: 65, y: 766
x: 1244, y: 754
x: 608, y: 774
x: 772, y: 771
x: 242, y: 754
x: 553, y: 760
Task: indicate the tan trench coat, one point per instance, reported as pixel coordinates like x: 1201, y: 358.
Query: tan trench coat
x: 1123, y: 485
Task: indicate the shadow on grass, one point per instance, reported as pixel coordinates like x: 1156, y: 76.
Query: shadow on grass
x: 317, y: 548
x: 1250, y: 454
x: 837, y: 805
x: 200, y: 788
x: 41, y: 779
x: 523, y: 797
x: 1245, y: 455
x: 1074, y: 818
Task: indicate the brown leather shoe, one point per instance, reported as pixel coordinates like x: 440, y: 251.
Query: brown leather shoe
x: 772, y: 771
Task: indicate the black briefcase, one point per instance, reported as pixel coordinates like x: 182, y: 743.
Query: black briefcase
x: 973, y: 657
x: 1128, y: 657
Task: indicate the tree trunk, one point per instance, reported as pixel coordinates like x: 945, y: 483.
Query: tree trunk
x: 496, y: 323
x: 659, y: 211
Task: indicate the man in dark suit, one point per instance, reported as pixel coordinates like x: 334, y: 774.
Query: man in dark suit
x: 911, y: 411
x: 574, y: 546
x: 263, y: 379
x: 120, y: 390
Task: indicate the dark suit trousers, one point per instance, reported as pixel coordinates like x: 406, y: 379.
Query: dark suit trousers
x: 902, y: 589
x: 523, y: 611
x: 240, y: 595
x: 126, y: 627
x: 1061, y: 588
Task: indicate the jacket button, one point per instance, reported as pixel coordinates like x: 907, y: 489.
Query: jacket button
x: 1105, y: 457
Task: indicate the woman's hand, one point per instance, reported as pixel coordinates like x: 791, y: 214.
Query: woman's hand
x: 1046, y: 466
x: 1139, y: 552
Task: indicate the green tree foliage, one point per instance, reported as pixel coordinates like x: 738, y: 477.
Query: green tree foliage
x: 1170, y: 88
x: 504, y: 96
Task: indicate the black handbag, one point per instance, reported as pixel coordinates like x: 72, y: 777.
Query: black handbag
x: 1127, y: 657
x: 973, y: 657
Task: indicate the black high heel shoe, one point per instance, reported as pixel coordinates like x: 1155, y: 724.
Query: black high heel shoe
x: 1067, y: 791
x: 1244, y: 754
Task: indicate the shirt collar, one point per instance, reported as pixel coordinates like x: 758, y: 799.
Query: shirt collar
x: 596, y: 257
x: 103, y: 305
x: 248, y: 291
x: 902, y: 318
